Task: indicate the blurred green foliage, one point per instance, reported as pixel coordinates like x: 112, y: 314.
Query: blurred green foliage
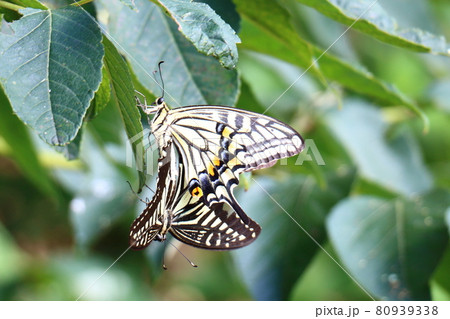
x: 362, y: 213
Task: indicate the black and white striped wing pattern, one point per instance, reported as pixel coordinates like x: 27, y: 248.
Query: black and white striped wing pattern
x: 217, y: 143
x: 199, y: 225
x: 173, y: 209
x: 150, y: 223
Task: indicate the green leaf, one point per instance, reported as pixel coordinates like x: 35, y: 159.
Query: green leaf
x: 397, y: 164
x: 370, y: 18
x: 265, y: 29
x: 324, y: 279
x: 286, y: 210
x: 31, y: 4
x: 435, y: 146
x: 205, y: 29
x: 391, y: 247
x: 123, y: 93
x: 226, y: 10
x: 189, y: 77
x: 50, y: 69
x: 440, y: 284
x: 71, y: 151
x: 16, y: 135
x: 13, y: 261
x: 101, y: 97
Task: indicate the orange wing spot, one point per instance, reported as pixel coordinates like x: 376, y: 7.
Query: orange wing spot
x: 216, y: 161
x: 226, y: 132
x: 197, y: 192
x: 211, y: 170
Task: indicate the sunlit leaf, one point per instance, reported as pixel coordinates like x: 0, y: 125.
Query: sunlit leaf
x: 13, y: 261
x: 369, y: 17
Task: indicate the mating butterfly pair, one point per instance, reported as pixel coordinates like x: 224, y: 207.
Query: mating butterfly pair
x: 203, y: 149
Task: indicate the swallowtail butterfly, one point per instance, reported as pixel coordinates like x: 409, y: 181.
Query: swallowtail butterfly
x: 173, y: 209
x: 203, y: 150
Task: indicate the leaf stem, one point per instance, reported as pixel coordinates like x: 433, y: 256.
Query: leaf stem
x: 11, y: 6
x: 80, y: 3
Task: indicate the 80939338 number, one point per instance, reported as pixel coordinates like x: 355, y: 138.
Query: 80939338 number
x: 406, y: 310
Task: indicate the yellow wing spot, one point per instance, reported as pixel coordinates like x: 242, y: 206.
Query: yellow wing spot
x: 211, y: 170
x: 197, y: 192
x: 226, y: 132
x: 233, y: 162
x: 232, y: 147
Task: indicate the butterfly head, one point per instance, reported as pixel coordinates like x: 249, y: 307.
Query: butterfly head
x: 154, y: 107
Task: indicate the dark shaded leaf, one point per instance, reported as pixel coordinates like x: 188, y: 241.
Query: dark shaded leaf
x: 101, y: 97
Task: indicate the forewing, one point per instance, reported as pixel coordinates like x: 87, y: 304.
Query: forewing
x: 218, y: 143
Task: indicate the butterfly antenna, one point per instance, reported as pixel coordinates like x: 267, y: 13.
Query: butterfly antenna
x: 160, y: 76
x: 189, y: 261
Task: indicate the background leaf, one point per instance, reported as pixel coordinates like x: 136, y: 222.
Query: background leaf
x: 189, y: 77
x: 16, y: 136
x: 267, y: 18
x: 396, y: 164
x: 295, y: 213
x: 122, y: 89
x: 379, y: 241
x: 377, y: 23
x: 205, y: 29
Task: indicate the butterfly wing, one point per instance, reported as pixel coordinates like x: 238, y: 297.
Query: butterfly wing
x: 199, y: 225
x: 150, y: 223
x: 218, y: 143
x: 213, y: 228
x: 174, y: 209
